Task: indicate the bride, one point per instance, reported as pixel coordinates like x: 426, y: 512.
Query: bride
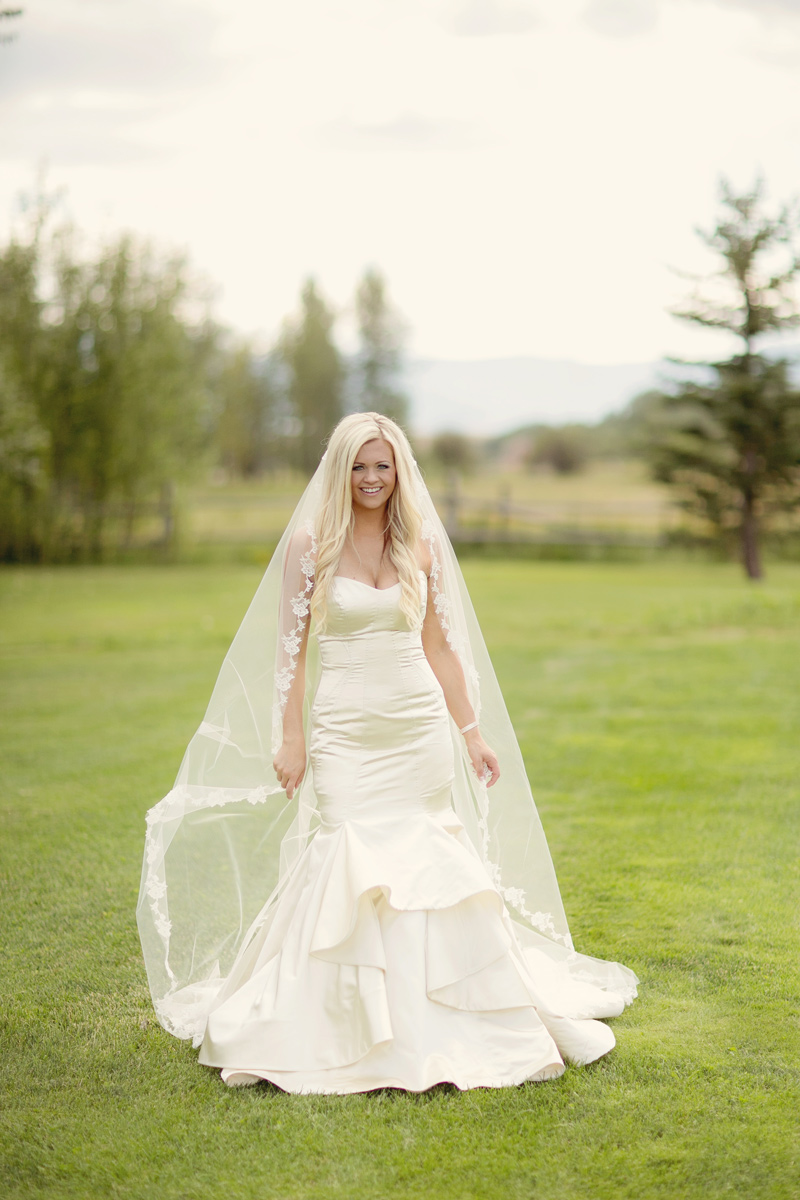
x: 412, y: 932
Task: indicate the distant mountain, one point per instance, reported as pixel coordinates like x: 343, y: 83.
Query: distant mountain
x: 491, y: 396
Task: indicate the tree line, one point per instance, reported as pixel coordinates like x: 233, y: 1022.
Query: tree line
x: 116, y: 382
x: 728, y: 441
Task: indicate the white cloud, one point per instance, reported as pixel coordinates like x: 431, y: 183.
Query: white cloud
x: 82, y: 73
x: 521, y: 193
x: 408, y: 131
x: 775, y: 39
x: 765, y: 8
x: 622, y: 18
x: 487, y: 18
x: 74, y: 135
x: 132, y: 47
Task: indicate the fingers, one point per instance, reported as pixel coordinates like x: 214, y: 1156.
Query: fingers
x: 486, y: 767
x: 489, y: 772
x: 294, y: 782
x: 289, y: 780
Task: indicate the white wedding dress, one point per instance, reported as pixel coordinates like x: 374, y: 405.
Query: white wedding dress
x: 388, y: 958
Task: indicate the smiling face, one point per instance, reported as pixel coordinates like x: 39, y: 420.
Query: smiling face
x: 373, y: 476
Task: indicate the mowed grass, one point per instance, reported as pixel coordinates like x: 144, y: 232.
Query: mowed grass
x: 657, y: 707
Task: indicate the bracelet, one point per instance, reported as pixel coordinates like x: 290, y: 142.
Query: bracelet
x: 467, y: 728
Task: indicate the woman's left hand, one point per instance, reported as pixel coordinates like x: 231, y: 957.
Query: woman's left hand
x: 483, y: 758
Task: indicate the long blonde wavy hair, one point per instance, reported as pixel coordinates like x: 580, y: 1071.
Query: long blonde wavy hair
x: 336, y: 519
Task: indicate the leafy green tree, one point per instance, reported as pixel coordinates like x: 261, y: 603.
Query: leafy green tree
x: 126, y: 404
x: 454, y: 451
x: 24, y: 439
x: 624, y: 433
x: 103, y: 352
x: 7, y: 14
x: 249, y: 436
x: 315, y: 375
x: 563, y: 448
x: 379, y: 361
x: 730, y: 443
x: 23, y: 480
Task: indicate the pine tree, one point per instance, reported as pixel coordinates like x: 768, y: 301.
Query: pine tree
x: 315, y: 375
x: 731, y: 445
x: 247, y: 433
x: 379, y: 361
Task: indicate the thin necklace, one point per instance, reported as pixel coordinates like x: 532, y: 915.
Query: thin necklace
x: 386, y: 541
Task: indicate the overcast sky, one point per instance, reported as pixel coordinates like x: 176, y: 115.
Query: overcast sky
x: 524, y: 172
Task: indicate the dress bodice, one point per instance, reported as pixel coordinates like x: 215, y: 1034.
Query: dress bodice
x: 356, y: 608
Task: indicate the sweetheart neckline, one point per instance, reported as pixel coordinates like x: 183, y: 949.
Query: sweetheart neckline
x: 367, y: 585
x: 370, y: 586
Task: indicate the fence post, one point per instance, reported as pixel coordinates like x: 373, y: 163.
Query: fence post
x: 451, y: 505
x: 504, y: 509
x: 167, y: 506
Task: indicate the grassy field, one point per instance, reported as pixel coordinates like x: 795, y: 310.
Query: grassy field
x: 657, y: 708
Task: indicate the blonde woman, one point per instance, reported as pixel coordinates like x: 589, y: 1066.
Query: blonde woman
x: 415, y: 933
x: 370, y: 535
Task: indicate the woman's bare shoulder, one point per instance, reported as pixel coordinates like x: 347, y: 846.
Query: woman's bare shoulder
x: 424, y: 556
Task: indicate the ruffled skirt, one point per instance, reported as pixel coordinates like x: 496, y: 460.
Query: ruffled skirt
x: 390, y: 960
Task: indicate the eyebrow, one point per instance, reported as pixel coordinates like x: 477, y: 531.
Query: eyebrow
x: 380, y: 462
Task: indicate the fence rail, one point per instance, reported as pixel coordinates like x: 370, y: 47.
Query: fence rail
x: 216, y: 517
x: 573, y: 522
x: 247, y: 519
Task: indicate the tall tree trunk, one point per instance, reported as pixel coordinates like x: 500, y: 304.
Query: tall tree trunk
x: 130, y: 510
x: 167, y: 508
x: 751, y: 556
x: 94, y: 531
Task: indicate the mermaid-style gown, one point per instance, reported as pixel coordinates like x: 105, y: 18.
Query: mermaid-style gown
x: 389, y: 959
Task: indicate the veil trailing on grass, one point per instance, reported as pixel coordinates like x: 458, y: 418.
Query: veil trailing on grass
x: 226, y: 838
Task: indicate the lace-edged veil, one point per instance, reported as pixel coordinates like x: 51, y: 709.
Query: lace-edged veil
x: 224, y: 840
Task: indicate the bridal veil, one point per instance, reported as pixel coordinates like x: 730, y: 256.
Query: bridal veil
x: 225, y: 837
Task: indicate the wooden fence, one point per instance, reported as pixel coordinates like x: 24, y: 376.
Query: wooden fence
x: 221, y: 517
x: 569, y: 523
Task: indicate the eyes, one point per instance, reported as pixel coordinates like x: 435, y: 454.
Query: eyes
x: 379, y: 466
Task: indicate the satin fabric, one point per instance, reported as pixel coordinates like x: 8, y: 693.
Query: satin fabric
x: 389, y: 958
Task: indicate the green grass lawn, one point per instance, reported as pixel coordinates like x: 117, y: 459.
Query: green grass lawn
x: 657, y: 707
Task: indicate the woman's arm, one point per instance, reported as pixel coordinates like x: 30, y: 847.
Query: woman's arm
x: 289, y: 763
x: 446, y: 666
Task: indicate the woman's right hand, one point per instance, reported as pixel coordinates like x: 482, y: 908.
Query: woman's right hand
x: 290, y: 764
